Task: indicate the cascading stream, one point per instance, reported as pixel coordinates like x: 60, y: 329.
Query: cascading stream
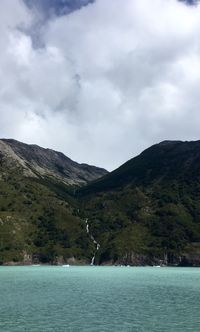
x: 93, y: 240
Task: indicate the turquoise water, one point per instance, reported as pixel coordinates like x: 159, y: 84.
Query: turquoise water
x: 99, y: 299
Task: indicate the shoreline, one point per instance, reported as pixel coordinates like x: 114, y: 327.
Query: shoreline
x: 12, y: 264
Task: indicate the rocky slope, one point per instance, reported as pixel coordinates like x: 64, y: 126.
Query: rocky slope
x: 38, y: 214
x: 39, y: 162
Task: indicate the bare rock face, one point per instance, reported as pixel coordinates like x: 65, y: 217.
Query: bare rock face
x: 12, y: 160
x: 35, y: 161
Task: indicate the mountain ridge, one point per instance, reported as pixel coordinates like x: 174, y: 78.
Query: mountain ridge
x: 47, y: 162
x: 149, y: 208
x: 135, y: 166
x: 146, y: 212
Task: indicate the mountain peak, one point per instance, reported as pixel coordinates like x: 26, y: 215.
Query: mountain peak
x: 168, y: 159
x: 169, y: 142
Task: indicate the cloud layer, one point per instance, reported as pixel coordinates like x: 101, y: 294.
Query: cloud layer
x: 50, y: 8
x: 105, y: 81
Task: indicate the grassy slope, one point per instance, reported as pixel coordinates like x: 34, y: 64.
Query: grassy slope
x: 38, y: 217
x: 150, y: 205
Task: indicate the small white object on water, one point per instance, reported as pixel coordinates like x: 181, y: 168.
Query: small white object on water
x: 36, y: 265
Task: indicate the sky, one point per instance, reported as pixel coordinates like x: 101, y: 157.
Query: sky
x: 99, y: 80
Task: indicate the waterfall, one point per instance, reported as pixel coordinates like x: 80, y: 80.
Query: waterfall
x: 97, y: 245
x: 92, y: 261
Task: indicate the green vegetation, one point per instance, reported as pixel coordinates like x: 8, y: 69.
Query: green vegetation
x: 145, y: 212
x: 149, y: 206
x: 37, y: 218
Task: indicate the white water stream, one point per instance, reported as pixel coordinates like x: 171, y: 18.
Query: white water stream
x: 93, y: 240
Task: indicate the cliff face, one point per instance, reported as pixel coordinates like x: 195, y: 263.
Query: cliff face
x: 39, y: 162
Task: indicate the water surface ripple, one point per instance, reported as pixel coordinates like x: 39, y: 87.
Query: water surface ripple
x: 99, y: 299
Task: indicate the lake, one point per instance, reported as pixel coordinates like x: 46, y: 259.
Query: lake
x: 90, y: 298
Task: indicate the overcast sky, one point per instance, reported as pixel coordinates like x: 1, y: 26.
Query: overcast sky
x: 99, y: 80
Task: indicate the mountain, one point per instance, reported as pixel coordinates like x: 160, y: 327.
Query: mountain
x: 46, y: 163
x: 148, y: 210
x: 165, y: 161
x: 38, y: 214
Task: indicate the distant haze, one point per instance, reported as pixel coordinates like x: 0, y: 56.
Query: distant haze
x: 99, y: 80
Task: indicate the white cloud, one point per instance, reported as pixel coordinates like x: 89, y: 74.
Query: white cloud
x: 111, y: 78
